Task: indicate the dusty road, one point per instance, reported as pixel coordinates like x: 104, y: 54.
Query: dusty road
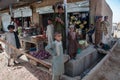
x: 24, y: 71
x: 110, y: 70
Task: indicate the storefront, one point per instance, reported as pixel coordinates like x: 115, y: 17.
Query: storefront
x: 77, y: 12
x: 23, y: 16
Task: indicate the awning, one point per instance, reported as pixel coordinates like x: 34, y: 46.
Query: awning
x: 44, y: 10
x: 81, y: 6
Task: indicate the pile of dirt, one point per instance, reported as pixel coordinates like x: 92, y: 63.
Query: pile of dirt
x: 23, y: 71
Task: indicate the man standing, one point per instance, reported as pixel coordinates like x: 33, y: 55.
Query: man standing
x: 59, y: 24
x: 50, y: 31
x: 91, y: 32
x: 105, y: 26
x: 105, y: 29
x: 98, y: 30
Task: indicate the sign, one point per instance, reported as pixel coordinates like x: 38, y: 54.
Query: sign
x: 82, y: 6
x: 22, y: 12
x: 44, y: 10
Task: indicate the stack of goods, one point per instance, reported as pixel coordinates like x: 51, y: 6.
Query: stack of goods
x: 38, y: 38
x: 81, y: 23
x: 41, y: 36
x: 20, y: 31
x: 79, y: 19
x: 41, y: 54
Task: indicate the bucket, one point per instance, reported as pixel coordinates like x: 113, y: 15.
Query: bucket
x: 79, y: 51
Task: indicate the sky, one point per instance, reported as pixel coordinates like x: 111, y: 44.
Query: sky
x: 115, y: 6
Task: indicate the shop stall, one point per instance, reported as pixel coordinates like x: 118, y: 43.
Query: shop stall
x: 77, y: 14
x: 81, y: 22
x: 23, y: 16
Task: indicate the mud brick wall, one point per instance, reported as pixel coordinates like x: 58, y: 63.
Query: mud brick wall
x: 100, y: 8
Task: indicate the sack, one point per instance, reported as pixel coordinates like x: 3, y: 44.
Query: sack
x: 41, y: 54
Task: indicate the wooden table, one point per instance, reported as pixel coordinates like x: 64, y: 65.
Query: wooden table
x: 28, y: 40
x: 42, y: 62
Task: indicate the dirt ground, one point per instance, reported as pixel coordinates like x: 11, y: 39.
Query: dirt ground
x: 111, y: 68
x: 23, y: 71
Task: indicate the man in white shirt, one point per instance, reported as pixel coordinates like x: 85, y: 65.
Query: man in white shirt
x: 50, y: 32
